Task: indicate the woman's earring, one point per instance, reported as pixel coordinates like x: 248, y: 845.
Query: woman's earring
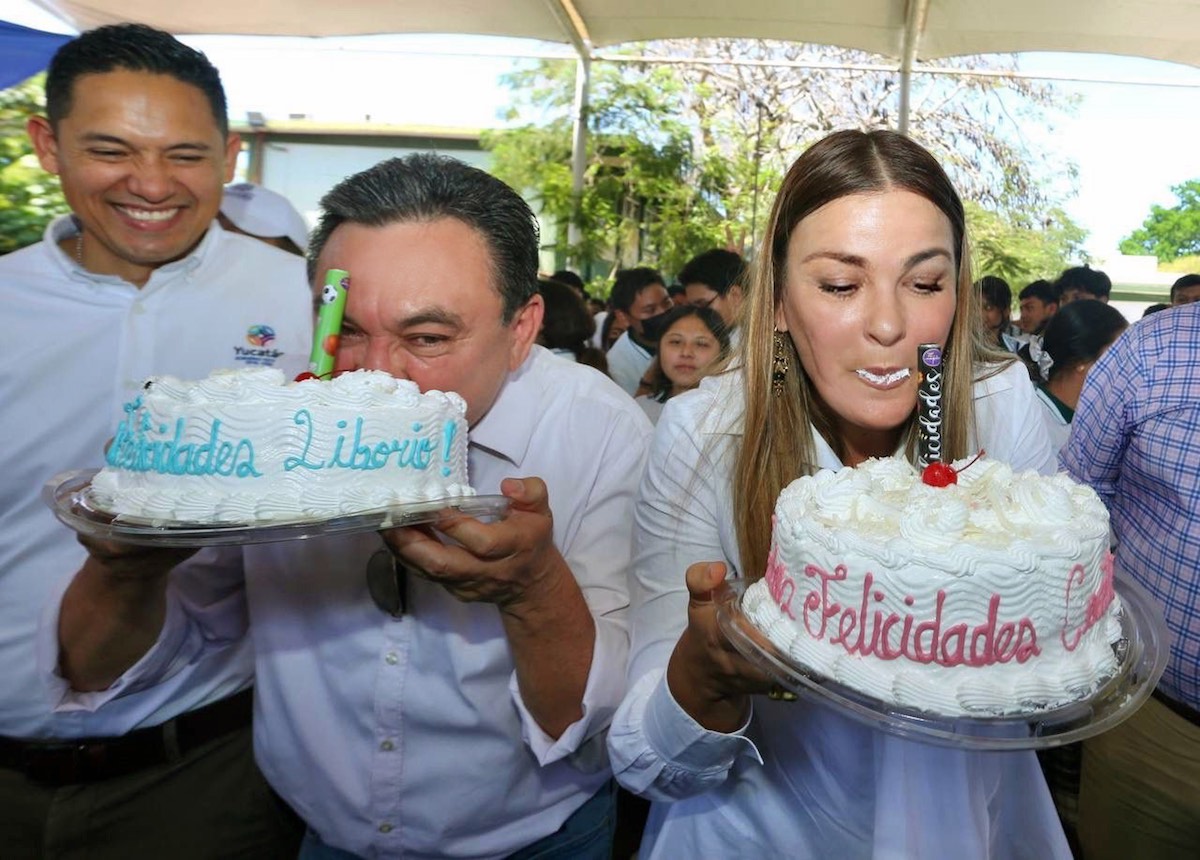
x: 779, y: 365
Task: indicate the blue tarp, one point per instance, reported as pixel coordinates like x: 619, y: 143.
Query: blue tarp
x: 25, y: 52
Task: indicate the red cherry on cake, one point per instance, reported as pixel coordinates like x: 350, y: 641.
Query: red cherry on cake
x: 300, y: 377
x: 939, y: 475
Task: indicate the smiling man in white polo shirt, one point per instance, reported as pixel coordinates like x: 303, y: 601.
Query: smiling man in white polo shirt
x: 139, y: 280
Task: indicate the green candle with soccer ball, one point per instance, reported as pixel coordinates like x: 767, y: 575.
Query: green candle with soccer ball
x: 329, y: 323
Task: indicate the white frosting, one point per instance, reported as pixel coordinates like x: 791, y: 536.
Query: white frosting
x: 360, y: 441
x: 1029, y: 551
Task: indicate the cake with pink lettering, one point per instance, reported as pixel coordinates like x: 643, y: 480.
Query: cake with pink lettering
x: 248, y: 446
x: 986, y: 597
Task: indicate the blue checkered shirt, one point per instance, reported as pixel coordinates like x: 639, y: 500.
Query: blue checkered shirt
x: 1136, y: 441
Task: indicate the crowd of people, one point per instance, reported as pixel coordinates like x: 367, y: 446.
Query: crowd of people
x: 260, y: 701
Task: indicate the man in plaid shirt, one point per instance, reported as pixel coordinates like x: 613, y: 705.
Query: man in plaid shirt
x: 1136, y: 441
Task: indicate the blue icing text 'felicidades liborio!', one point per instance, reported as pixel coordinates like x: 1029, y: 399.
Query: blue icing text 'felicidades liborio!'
x: 246, y: 446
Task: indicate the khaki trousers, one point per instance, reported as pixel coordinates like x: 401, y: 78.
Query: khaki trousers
x: 211, y: 804
x: 1139, y: 792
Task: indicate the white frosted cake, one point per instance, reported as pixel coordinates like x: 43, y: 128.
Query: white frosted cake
x: 248, y: 446
x: 990, y: 596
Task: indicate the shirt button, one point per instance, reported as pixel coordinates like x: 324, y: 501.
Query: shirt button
x: 387, y: 746
x: 391, y: 659
x: 385, y: 828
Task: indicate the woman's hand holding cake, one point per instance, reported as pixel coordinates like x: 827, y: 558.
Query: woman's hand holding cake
x: 709, y: 679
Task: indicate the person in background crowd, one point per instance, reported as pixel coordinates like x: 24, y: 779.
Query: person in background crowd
x: 611, y: 329
x: 1155, y: 308
x: 678, y: 295
x: 567, y: 326
x: 572, y: 280
x: 1038, y: 303
x: 1074, y: 339
x: 461, y: 710
x: 263, y: 214
x: 140, y: 279
x: 1136, y: 441
x: 714, y: 280
x: 1186, y: 290
x: 864, y: 258
x: 997, y: 313
x: 639, y: 302
x: 1082, y: 282
x: 695, y: 340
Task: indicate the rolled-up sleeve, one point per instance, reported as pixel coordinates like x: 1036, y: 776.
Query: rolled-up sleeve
x: 205, y: 613
x: 593, y: 504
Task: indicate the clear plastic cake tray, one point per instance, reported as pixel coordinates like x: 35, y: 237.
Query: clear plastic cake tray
x: 69, y: 496
x: 1141, y: 652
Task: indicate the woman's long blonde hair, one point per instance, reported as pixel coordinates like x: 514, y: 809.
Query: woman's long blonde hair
x: 777, y: 446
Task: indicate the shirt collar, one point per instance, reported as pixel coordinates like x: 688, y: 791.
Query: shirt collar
x: 1067, y: 413
x: 508, y: 426
x: 68, y: 227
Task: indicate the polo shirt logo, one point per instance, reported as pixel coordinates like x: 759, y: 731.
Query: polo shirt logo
x: 259, y: 352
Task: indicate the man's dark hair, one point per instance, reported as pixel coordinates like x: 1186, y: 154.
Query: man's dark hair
x: 1183, y: 283
x: 630, y: 282
x: 1085, y: 279
x: 135, y: 48
x: 1041, y: 290
x: 676, y: 290
x: 566, y: 276
x: 427, y: 187
x: 717, y: 269
x: 995, y: 291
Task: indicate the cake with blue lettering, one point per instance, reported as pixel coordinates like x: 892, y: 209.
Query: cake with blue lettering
x: 248, y: 446
x: 992, y: 595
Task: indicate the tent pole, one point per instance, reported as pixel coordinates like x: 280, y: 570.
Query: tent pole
x: 583, y: 84
x: 914, y: 27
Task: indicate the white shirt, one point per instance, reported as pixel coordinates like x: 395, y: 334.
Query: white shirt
x: 627, y: 361
x: 408, y: 738
x: 598, y: 334
x: 1058, y: 427
x: 76, y: 347
x: 801, y: 780
x: 652, y: 407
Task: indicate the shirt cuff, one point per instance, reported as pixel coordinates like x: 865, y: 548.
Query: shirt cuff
x: 159, y: 662
x: 601, y: 695
x: 677, y: 738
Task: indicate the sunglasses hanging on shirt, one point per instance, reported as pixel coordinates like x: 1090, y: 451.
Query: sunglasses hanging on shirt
x: 387, y: 582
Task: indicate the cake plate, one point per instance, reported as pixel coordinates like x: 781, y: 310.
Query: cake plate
x: 69, y: 496
x: 1141, y: 653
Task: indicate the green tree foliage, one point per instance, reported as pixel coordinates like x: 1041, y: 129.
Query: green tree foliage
x: 685, y: 156
x: 29, y: 197
x: 1021, y: 254
x: 1169, y: 233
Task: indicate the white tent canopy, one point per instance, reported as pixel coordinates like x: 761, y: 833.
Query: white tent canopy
x: 903, y: 29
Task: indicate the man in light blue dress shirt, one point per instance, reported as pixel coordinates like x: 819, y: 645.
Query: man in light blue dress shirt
x: 462, y: 712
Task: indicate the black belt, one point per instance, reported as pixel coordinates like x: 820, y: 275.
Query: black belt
x: 64, y: 762
x: 1174, y: 705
